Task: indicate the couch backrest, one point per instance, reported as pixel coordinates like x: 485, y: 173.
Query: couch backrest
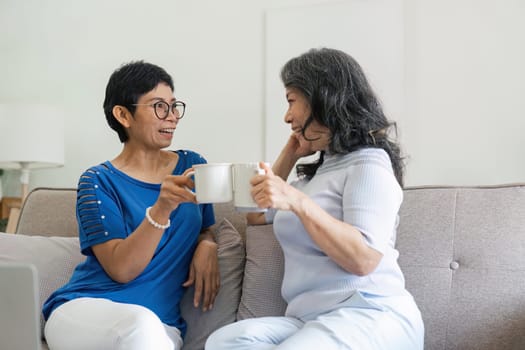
x: 59, y: 218
x: 462, y: 250
x: 51, y: 212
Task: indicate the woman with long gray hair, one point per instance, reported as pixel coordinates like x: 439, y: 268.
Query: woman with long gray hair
x: 336, y: 223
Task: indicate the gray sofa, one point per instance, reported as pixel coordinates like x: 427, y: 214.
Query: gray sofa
x: 462, y: 250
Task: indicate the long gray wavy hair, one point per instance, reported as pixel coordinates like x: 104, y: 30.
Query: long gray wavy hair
x: 341, y: 99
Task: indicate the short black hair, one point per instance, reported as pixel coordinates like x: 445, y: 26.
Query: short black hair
x: 341, y: 99
x: 126, y: 85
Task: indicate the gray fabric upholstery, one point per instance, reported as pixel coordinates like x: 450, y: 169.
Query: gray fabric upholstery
x: 425, y: 241
x: 463, y: 255
x: 263, y: 275
x: 231, y: 263
x: 462, y: 251
x: 227, y: 210
x: 49, y: 212
x: 54, y: 259
x: 59, y: 218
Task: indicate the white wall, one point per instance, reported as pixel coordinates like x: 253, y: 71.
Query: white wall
x: 379, y: 49
x: 463, y: 78
x: 465, y: 82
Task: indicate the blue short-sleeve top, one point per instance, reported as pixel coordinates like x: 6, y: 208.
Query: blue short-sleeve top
x: 111, y: 205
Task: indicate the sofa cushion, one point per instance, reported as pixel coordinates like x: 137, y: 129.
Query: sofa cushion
x: 231, y: 263
x: 227, y: 210
x: 263, y: 275
x: 425, y: 240
x: 462, y: 251
x: 54, y: 258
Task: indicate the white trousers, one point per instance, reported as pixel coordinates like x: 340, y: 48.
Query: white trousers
x: 355, y: 328
x: 94, y: 323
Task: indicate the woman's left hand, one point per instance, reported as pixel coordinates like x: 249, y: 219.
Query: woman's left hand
x: 204, y: 274
x: 271, y: 191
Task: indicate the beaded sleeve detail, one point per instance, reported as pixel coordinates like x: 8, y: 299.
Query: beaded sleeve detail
x: 88, y: 210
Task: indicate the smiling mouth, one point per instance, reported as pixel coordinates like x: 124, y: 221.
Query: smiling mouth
x: 167, y: 131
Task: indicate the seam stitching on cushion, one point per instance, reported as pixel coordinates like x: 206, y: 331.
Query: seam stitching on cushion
x: 454, y: 231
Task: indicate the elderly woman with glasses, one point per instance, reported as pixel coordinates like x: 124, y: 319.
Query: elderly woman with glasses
x: 144, y: 236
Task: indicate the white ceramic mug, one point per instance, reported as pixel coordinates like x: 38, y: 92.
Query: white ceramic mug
x: 242, y: 197
x: 213, y: 182
x: 224, y: 182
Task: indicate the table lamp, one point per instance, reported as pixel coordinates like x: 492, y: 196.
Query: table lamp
x: 31, y: 137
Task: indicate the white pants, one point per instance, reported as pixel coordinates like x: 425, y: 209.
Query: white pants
x: 91, y: 323
x: 356, y: 328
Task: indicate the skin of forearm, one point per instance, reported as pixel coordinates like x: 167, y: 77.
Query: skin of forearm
x: 125, y: 259
x: 339, y: 240
x: 255, y: 219
x: 130, y: 256
x: 207, y: 235
x: 284, y: 165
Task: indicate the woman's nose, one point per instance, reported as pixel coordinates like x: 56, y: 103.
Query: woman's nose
x: 172, y: 116
x: 288, y: 117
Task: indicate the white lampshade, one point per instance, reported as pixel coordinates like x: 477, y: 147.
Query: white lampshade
x: 31, y: 136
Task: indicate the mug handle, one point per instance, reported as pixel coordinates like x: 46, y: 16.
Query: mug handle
x: 190, y: 173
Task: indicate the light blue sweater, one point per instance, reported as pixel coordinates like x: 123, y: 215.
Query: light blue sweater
x: 358, y: 188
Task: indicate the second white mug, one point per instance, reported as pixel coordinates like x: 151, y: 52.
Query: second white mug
x: 224, y: 182
x: 242, y: 196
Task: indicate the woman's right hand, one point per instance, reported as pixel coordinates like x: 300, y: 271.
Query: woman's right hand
x: 271, y: 191
x: 290, y: 154
x: 174, y: 190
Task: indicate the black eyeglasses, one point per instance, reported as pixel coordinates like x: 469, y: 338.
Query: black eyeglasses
x: 162, y: 108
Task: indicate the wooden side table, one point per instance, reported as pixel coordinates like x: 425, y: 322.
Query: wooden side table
x: 11, y: 209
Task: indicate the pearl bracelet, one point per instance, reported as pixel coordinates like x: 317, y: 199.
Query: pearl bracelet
x: 154, y: 223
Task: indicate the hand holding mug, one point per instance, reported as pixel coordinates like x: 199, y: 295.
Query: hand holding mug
x: 271, y: 191
x: 173, y: 190
x: 225, y: 182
